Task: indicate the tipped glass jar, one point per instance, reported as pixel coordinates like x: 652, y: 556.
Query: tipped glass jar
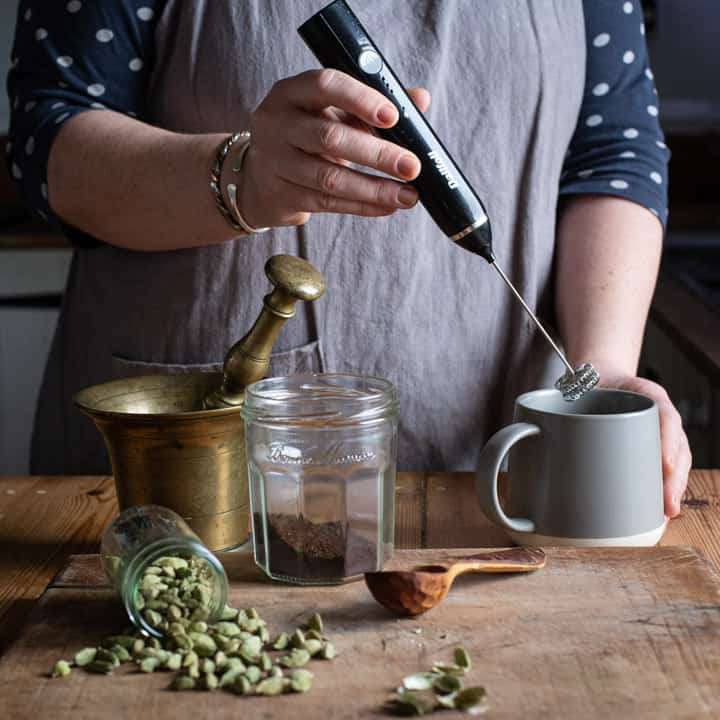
x: 321, y: 466
x: 162, y: 571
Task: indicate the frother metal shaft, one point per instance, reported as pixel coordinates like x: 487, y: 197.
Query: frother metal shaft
x: 538, y: 324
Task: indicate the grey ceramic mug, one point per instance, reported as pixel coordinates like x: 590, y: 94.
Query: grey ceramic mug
x: 587, y: 472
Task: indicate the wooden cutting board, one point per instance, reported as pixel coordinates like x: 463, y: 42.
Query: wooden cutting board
x: 616, y: 633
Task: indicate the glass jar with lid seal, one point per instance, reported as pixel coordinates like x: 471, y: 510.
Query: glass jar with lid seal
x: 322, y: 454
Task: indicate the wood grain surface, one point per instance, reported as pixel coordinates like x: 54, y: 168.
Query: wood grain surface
x: 622, y: 633
x: 44, y: 519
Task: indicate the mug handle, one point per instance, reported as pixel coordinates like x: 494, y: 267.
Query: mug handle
x: 486, y: 477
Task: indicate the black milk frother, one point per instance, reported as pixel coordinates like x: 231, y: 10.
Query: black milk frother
x: 339, y: 41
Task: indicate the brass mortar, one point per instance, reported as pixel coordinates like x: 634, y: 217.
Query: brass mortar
x: 179, y: 440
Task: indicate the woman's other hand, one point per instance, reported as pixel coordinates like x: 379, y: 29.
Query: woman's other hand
x: 676, y: 457
x: 305, y: 133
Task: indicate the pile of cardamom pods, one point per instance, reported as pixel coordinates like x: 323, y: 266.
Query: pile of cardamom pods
x: 440, y: 688
x: 233, y: 653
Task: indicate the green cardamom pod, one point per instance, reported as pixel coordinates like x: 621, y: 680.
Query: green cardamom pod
x: 100, y: 666
x: 297, y: 639
x: 297, y: 658
x: 85, y: 656
x: 105, y: 655
x: 229, y: 613
x: 252, y: 613
x: 241, y: 686
x: 149, y: 664
x: 229, y: 676
x: 207, y: 665
x: 138, y: 646
x: 313, y: 647
x: 315, y: 623
x: 190, y: 658
x: 61, y: 669
x: 203, y: 644
x: 174, y: 662
x: 253, y: 673
x: 220, y: 659
x: 328, y: 651
x: 301, y: 680
x: 275, y: 671
x: 281, y: 642
x: 265, y: 662
x: 152, y: 617
x: 210, y: 681
x: 183, y: 682
x: 120, y: 653
x: 271, y: 686
x: 251, y: 648
x: 227, y: 628
x: 313, y: 635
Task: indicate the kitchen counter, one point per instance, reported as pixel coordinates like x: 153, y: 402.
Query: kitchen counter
x: 43, y: 520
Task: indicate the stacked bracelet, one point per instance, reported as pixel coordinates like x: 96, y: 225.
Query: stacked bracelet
x: 232, y: 214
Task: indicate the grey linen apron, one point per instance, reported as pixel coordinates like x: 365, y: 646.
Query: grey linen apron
x: 402, y: 301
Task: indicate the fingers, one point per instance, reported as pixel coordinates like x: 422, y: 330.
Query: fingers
x: 317, y: 89
x: 314, y: 201
x: 671, y: 431
x: 421, y: 97
x: 676, y: 456
x: 675, y: 481
x: 336, y: 181
x: 322, y: 136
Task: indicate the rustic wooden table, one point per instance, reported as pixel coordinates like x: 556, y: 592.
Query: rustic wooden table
x: 571, y: 640
x: 45, y: 519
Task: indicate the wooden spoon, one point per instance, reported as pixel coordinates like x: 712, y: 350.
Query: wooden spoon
x: 415, y: 591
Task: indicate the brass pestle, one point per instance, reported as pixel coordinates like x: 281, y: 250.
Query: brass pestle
x: 248, y: 359
x: 179, y: 440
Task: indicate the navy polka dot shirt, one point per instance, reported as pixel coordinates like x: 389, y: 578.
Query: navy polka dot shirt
x: 70, y: 57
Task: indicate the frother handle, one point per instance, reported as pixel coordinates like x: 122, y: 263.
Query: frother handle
x: 339, y: 41
x: 486, y: 477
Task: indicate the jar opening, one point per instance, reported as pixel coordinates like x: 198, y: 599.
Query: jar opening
x: 320, y: 399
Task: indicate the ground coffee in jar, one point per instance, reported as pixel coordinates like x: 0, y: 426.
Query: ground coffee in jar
x: 321, y: 461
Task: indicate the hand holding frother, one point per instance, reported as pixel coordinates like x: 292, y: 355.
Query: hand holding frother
x: 339, y: 41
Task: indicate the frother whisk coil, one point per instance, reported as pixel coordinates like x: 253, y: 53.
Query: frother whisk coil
x: 575, y: 384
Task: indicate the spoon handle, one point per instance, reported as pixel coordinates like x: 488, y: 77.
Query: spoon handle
x: 510, y: 560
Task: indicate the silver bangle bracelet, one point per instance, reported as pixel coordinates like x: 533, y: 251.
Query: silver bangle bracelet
x: 232, y: 215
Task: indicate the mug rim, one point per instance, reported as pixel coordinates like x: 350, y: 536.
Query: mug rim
x: 521, y: 402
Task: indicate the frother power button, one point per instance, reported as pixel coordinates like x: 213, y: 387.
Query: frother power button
x: 370, y: 62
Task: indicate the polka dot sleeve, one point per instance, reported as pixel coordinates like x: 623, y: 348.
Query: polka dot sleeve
x: 618, y: 146
x: 70, y: 57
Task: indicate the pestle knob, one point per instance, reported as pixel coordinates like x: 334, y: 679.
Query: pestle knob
x: 248, y: 359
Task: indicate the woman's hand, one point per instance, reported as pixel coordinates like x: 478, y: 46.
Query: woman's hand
x: 305, y: 133
x: 676, y: 457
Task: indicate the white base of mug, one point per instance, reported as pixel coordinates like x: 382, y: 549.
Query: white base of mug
x: 645, y: 539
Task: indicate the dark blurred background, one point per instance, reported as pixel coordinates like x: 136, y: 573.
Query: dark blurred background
x: 682, y: 345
